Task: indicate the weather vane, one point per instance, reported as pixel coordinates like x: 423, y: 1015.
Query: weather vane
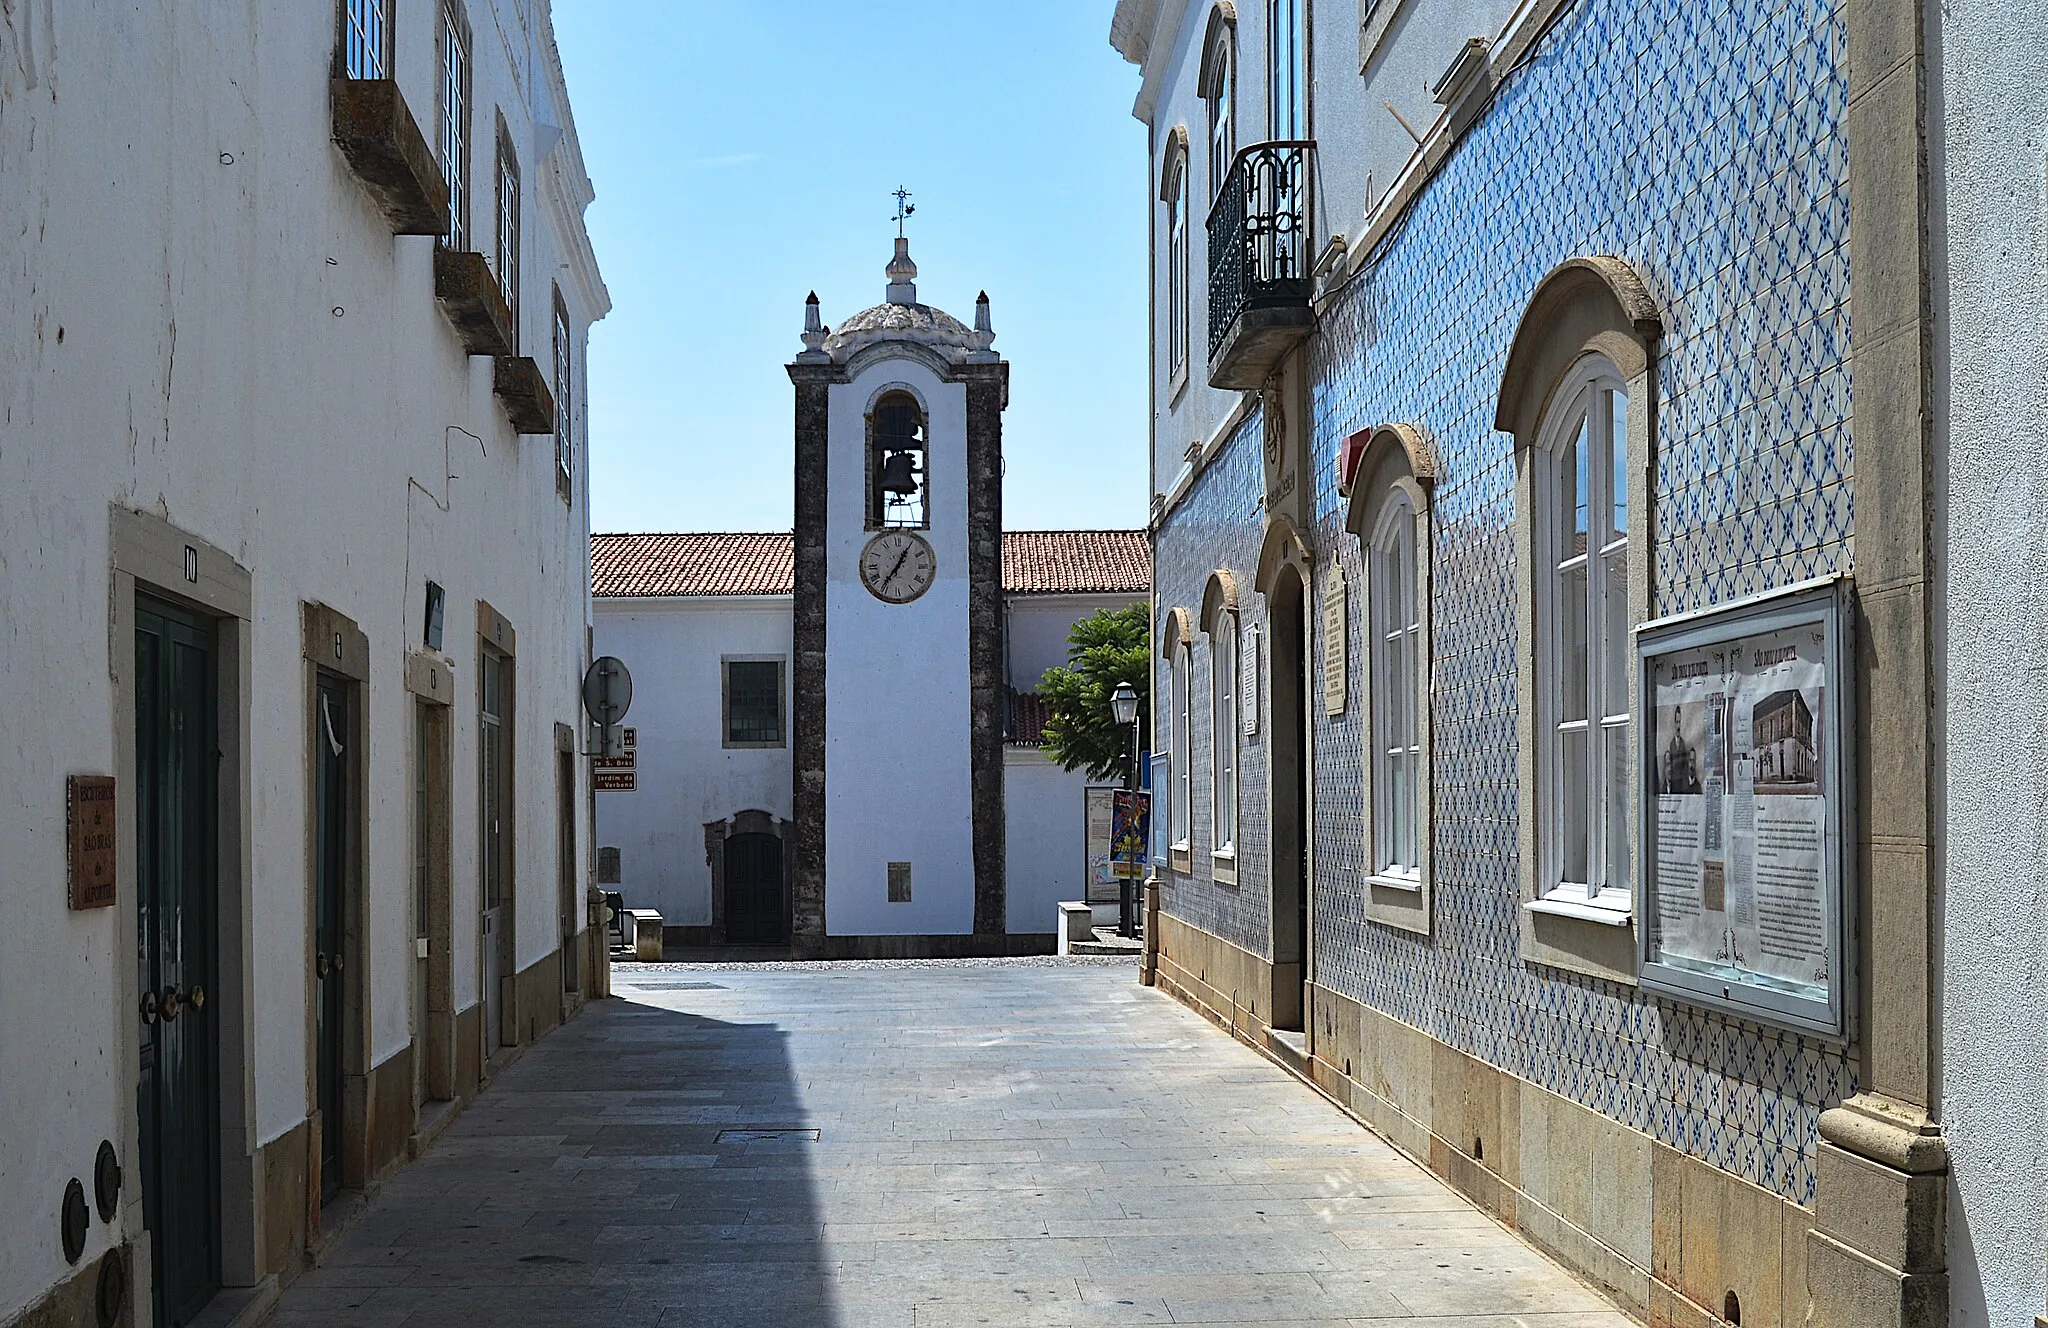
x: 904, y: 207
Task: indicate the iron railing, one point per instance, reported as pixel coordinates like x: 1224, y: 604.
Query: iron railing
x: 1258, y: 234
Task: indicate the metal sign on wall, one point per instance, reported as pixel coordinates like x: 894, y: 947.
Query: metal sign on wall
x: 89, y: 839
x: 618, y: 774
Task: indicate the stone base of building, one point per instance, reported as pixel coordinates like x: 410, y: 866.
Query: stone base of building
x: 99, y: 1291
x: 1672, y: 1240
x: 1005, y: 946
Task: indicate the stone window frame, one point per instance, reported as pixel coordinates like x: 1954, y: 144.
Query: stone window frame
x: 1175, y: 647
x: 1222, y: 618
x: 725, y: 738
x: 1216, y: 83
x: 1173, y: 193
x: 1585, y: 307
x: 1398, y: 461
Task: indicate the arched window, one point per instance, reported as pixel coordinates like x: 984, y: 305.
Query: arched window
x: 1183, y: 749
x: 1396, y: 645
x: 1218, y: 89
x: 896, y: 464
x: 1177, y: 262
x: 1394, y: 478
x: 1580, y: 536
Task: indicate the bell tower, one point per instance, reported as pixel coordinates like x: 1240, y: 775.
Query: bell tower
x: 896, y: 688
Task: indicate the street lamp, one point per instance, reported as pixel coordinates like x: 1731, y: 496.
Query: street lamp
x: 1123, y: 703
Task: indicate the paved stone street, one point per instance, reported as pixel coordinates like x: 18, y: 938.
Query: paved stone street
x: 1019, y: 1143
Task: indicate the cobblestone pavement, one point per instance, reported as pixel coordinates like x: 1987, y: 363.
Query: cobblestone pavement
x: 916, y: 1146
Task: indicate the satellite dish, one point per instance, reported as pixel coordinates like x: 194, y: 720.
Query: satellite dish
x: 607, y: 690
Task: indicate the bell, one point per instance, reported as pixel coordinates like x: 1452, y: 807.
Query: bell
x: 897, y: 474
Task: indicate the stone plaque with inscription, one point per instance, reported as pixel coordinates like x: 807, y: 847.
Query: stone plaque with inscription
x: 89, y: 839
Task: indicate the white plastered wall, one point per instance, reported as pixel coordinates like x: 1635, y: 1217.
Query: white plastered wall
x: 685, y: 775
x: 897, y: 707
x: 1988, y: 148
x: 209, y: 320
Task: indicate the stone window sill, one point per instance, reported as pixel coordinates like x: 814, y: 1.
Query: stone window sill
x: 1407, y: 884
x: 1584, y: 912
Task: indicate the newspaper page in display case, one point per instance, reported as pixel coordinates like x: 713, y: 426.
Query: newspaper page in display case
x: 1742, y: 806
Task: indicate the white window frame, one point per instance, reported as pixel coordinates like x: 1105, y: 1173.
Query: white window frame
x: 1585, y: 409
x: 366, y: 33
x: 453, y: 95
x: 1182, y: 800
x: 565, y: 393
x: 508, y: 226
x: 1287, y: 69
x: 1178, y: 243
x: 1223, y: 735
x: 1222, y: 101
x: 1394, y: 737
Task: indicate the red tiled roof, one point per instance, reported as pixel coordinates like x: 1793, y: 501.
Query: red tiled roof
x: 695, y: 563
x: 1035, y: 562
x: 1028, y: 714
x: 1076, y: 562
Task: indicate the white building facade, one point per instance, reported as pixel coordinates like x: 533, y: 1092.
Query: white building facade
x: 293, y: 540
x: 696, y: 821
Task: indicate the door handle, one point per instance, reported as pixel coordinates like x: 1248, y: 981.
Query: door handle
x: 148, y: 1007
x: 173, y: 999
x: 320, y: 965
x: 198, y: 998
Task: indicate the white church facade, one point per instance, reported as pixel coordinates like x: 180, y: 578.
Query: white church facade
x: 835, y: 728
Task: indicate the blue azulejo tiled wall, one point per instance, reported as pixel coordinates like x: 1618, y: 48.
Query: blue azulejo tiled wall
x: 1701, y: 141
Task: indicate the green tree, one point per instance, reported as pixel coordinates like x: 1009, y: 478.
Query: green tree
x: 1104, y: 649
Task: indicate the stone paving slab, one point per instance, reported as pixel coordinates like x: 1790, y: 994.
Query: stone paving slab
x: 1036, y: 1143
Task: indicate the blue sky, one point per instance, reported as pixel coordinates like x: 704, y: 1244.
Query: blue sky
x: 744, y: 155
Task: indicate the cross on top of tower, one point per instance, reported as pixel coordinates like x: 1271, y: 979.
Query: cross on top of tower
x: 904, y: 207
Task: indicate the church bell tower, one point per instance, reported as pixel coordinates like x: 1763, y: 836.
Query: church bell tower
x: 897, y: 695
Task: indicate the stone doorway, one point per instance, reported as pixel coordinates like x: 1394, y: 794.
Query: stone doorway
x: 750, y: 879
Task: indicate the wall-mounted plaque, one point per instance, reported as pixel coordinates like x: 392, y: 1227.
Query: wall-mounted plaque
x: 1335, y: 617
x: 1248, y: 682
x: 1743, y: 798
x: 89, y: 839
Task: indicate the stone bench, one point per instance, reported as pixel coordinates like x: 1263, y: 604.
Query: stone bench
x: 643, y: 932
x: 1077, y: 923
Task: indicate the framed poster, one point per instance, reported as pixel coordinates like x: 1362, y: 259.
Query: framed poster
x: 1744, y: 798
x: 1096, y: 827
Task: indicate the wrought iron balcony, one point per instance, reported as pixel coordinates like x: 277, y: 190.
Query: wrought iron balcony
x: 1259, y: 262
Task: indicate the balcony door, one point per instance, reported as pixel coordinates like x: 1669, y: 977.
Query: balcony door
x: 1287, y: 69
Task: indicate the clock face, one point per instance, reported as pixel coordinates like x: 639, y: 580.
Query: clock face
x: 897, y: 566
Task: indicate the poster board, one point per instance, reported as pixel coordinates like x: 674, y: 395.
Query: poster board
x: 1098, y: 814
x: 1744, y: 796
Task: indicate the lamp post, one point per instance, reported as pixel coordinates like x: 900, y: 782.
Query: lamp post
x: 1123, y: 703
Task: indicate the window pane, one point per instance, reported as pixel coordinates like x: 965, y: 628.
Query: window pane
x: 1571, y: 865
x: 1571, y: 643
x: 1614, y: 630
x: 1395, y: 850
x: 1614, y: 790
x: 1573, y: 477
x: 753, y: 701
x: 1617, y: 414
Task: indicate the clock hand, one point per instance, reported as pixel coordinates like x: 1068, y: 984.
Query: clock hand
x: 898, y: 565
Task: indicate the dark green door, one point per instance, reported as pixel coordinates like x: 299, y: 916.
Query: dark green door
x: 753, y: 891
x: 175, y: 897
x: 332, y: 800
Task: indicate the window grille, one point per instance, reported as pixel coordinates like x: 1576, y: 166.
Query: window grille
x: 753, y: 702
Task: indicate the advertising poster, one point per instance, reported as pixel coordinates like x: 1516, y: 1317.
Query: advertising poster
x: 1739, y: 882
x: 1100, y: 813
x: 1157, y: 780
x: 1128, y: 831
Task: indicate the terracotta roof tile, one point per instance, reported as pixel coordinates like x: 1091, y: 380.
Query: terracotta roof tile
x: 1028, y: 713
x: 1035, y: 562
x: 696, y: 563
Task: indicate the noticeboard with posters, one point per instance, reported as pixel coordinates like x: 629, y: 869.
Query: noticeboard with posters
x: 1098, y: 815
x: 1744, y: 799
